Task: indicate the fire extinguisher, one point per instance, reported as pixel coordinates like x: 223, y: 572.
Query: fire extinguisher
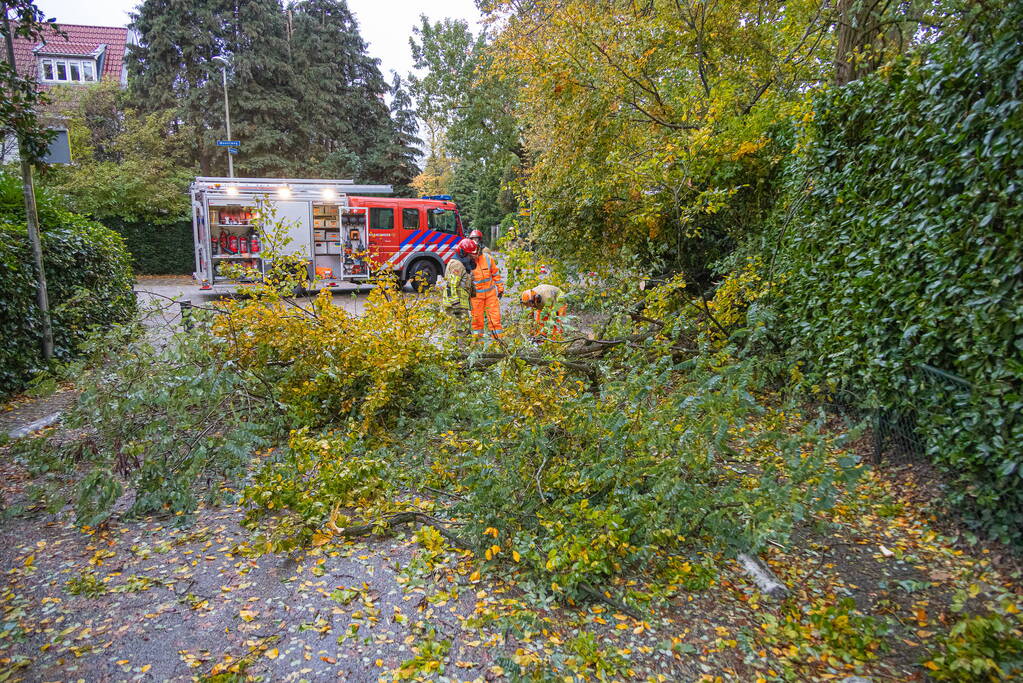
x: 232, y: 243
x: 223, y: 242
x: 254, y: 242
x: 243, y: 244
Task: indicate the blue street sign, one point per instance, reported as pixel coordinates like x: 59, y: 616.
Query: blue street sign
x: 228, y: 143
x: 232, y: 150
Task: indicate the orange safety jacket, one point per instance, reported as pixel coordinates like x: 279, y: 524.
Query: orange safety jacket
x: 486, y: 276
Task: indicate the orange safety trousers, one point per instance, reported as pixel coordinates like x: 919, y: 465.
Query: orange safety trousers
x: 489, y: 306
x: 487, y: 284
x: 553, y: 331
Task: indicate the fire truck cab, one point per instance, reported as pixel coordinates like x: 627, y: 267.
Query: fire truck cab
x: 342, y: 234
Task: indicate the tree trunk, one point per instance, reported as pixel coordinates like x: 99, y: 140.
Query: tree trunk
x: 859, y: 24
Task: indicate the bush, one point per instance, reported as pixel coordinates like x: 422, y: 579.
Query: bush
x: 89, y: 281
x: 157, y: 248
x: 174, y: 423
x: 905, y: 251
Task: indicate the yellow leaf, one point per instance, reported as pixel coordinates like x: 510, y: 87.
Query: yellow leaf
x: 247, y: 614
x: 272, y: 653
x: 516, y: 556
x: 146, y: 668
x: 380, y: 662
x: 320, y: 539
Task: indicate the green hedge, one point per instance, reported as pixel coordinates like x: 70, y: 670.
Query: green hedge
x: 89, y: 280
x: 908, y: 249
x: 158, y: 249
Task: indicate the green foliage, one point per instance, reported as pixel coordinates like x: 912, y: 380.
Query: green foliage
x: 574, y: 486
x: 382, y: 364
x: 829, y: 628
x: 172, y: 425
x: 130, y: 172
x: 128, y: 165
x: 583, y: 486
x: 467, y: 109
x: 89, y: 281
x: 22, y: 98
x: 901, y: 248
x: 981, y: 646
x: 308, y: 485
x: 649, y: 127
x: 158, y: 248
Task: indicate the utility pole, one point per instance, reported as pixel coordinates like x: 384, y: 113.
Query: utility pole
x: 31, y: 214
x: 227, y: 115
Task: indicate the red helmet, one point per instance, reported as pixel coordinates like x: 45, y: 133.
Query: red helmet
x: 466, y: 246
x: 474, y: 234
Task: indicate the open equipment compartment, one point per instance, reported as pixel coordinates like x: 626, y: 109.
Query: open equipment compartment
x: 340, y: 243
x: 235, y: 239
x: 320, y: 227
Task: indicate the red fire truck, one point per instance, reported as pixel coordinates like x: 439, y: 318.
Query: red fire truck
x: 343, y: 234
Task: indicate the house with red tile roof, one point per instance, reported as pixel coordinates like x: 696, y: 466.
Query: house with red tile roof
x: 86, y: 54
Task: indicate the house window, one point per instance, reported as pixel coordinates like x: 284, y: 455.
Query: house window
x: 68, y: 70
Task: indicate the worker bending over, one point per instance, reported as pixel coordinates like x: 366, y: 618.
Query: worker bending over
x: 545, y: 300
x: 487, y: 288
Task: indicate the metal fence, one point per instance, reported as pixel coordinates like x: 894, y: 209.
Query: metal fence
x: 896, y: 433
x: 934, y: 393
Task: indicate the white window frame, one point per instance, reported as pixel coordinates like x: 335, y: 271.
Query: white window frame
x: 83, y: 66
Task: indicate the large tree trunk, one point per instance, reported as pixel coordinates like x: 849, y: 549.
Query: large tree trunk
x: 860, y: 40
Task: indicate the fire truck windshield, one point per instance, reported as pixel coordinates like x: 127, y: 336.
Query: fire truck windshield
x: 443, y: 220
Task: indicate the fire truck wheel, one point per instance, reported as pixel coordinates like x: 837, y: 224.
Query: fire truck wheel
x: 423, y: 275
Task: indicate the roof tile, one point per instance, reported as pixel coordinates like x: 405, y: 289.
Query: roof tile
x: 81, y: 41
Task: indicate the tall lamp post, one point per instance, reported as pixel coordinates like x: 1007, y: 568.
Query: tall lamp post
x: 227, y: 113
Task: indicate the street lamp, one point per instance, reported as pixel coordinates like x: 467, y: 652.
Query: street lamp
x: 224, y: 63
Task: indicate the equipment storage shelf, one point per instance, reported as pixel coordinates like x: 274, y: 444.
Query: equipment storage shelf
x: 235, y: 241
x: 339, y: 238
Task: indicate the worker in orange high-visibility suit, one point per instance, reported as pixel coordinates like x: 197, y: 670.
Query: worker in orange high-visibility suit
x: 487, y: 288
x: 548, y: 310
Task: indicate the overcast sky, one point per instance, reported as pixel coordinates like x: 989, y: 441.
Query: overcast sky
x: 385, y: 24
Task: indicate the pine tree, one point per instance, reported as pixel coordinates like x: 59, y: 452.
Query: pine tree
x: 264, y: 91
x: 341, y: 92
x: 172, y: 67
x: 405, y: 143
x: 306, y: 98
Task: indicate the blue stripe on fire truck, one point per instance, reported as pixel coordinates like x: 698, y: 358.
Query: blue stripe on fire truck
x: 410, y: 238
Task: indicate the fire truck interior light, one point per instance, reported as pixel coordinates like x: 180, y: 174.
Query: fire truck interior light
x: 329, y: 194
x: 284, y: 192
x: 232, y: 190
